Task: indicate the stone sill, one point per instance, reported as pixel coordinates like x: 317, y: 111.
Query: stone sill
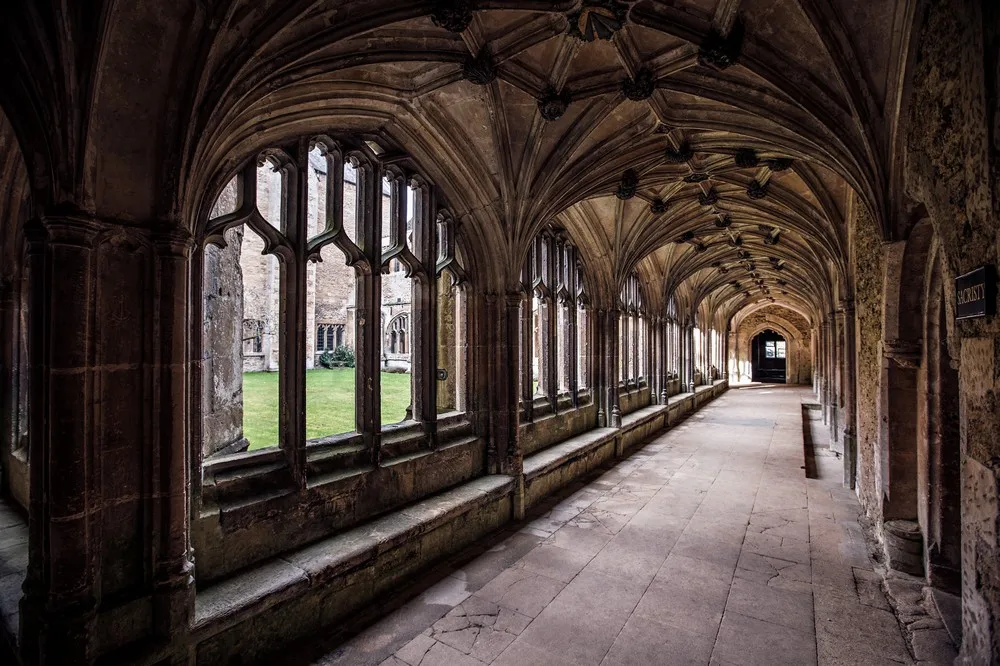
x: 241, y: 479
x: 254, y: 590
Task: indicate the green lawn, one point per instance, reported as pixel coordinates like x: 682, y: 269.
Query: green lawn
x: 329, y: 403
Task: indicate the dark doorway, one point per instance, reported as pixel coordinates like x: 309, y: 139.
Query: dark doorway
x: 767, y: 352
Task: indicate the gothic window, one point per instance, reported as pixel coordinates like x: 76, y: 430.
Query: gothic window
x: 632, y: 334
x: 451, y: 319
x: 397, y: 333
x: 551, y: 363
x: 323, y: 230
x: 253, y: 336
x: 329, y: 337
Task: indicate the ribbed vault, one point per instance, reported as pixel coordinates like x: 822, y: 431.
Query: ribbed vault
x: 712, y: 145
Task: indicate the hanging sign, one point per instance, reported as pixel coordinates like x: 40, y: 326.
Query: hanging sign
x: 976, y: 293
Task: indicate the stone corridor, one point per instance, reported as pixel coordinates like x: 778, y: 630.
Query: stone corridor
x: 708, y: 545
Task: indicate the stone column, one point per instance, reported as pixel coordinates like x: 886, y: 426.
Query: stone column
x: 173, y: 573
x: 824, y: 396
x: 850, y: 441
x: 525, y: 354
x: 837, y: 389
x: 897, y: 411
x: 61, y: 594
x: 614, y: 336
x: 508, y: 458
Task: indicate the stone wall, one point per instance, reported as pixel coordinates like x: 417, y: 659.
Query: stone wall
x: 952, y: 155
x: 798, y: 366
x: 868, y: 270
x: 222, y: 329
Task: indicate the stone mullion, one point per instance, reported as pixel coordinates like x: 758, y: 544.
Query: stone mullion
x: 664, y: 359
x: 425, y: 317
x: 527, y: 341
x: 691, y: 358
x: 595, y: 323
x: 292, y: 321
x: 614, y: 337
x: 550, y: 332
x: 173, y: 575
x: 573, y: 347
x: 652, y: 353
x: 368, y: 403
x: 61, y: 593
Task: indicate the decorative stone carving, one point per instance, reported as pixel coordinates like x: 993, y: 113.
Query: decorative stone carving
x: 629, y: 185
x: 699, y: 247
x: 658, y: 207
x: 452, y: 15
x: 778, y: 163
x: 756, y: 190
x: 736, y: 241
x: 553, y: 104
x: 597, y: 19
x: 708, y: 198
x: 724, y: 222
x: 680, y: 155
x: 746, y: 158
x: 480, y: 69
x: 696, y: 177
x: 685, y: 237
x: 641, y: 87
x: 772, y: 239
x: 722, y: 51
x: 723, y: 269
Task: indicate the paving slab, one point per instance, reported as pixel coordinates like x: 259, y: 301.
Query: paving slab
x: 707, y: 546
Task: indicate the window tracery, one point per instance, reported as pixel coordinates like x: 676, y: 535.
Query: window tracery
x: 553, y: 340
x: 310, y: 248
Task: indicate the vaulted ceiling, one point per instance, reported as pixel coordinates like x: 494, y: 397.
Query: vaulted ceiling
x: 714, y: 146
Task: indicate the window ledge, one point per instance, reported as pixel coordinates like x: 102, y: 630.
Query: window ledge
x: 253, y: 591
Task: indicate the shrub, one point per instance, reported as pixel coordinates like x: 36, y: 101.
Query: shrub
x: 326, y: 360
x: 343, y: 356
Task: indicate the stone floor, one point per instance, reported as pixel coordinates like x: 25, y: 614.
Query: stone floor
x: 708, y: 546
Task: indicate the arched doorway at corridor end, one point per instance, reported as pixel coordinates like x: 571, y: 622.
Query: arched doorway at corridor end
x: 768, y: 357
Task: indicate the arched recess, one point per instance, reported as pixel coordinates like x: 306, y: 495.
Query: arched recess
x: 938, y: 443
x: 793, y: 354
x: 898, y: 401
x: 799, y: 363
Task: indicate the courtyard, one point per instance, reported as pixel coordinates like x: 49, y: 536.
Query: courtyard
x: 329, y: 403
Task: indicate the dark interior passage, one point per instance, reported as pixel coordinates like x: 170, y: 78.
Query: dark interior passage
x: 768, y: 351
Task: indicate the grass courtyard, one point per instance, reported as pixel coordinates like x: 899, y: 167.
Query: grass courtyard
x: 329, y: 403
